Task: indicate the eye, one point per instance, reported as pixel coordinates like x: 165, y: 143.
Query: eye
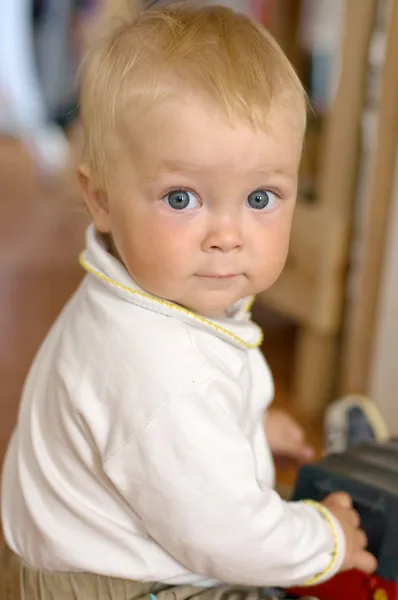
x: 262, y: 199
x: 182, y: 200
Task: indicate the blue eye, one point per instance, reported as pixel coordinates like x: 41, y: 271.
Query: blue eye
x: 182, y: 200
x: 262, y: 199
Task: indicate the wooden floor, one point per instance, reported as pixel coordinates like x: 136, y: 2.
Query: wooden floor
x: 41, y: 234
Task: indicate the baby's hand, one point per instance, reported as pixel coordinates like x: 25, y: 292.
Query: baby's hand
x: 286, y: 437
x: 356, y: 555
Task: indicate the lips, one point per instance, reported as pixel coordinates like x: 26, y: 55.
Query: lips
x: 219, y: 275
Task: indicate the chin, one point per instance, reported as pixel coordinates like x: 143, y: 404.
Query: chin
x: 213, y: 310
x: 213, y: 314
x: 205, y: 310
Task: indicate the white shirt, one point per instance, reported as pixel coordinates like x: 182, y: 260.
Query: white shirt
x: 140, y: 450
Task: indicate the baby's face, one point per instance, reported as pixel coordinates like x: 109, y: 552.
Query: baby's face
x: 200, y: 211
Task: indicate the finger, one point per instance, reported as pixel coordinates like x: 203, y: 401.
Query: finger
x: 361, y: 539
x: 366, y: 562
x: 341, y: 498
x: 353, y: 518
x: 299, y: 452
x: 297, y: 434
x: 306, y: 453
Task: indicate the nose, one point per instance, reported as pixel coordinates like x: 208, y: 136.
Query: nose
x: 224, y: 234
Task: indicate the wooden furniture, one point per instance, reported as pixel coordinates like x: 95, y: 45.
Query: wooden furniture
x: 361, y: 318
x: 312, y: 287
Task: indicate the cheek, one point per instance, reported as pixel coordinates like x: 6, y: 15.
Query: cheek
x: 271, y: 245
x: 156, y: 247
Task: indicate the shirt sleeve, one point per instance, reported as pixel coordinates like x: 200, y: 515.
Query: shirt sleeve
x: 190, y: 475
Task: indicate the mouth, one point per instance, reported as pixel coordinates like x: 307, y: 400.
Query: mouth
x: 219, y: 276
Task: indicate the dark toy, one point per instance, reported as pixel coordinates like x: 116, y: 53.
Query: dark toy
x: 369, y: 474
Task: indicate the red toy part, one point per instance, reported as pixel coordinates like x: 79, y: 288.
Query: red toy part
x: 352, y: 585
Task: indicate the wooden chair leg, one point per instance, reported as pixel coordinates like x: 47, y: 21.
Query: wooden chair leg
x: 315, y: 370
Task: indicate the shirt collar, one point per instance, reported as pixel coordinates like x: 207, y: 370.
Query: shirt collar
x: 237, y: 329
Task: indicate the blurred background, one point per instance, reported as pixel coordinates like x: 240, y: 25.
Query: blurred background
x: 331, y: 321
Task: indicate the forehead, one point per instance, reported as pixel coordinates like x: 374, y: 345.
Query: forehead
x: 197, y: 136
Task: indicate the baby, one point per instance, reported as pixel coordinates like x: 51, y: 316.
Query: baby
x: 140, y: 465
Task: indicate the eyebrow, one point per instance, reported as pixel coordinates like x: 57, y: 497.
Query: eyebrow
x: 182, y: 166
x: 168, y: 166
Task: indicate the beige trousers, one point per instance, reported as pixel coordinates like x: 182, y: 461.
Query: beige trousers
x: 18, y: 581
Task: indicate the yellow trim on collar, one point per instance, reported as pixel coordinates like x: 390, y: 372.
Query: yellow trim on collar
x: 171, y: 305
x: 336, y: 549
x: 250, y: 303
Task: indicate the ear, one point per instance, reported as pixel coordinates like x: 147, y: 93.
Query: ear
x: 95, y: 200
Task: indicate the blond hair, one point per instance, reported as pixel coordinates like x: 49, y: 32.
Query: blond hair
x: 161, y: 53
